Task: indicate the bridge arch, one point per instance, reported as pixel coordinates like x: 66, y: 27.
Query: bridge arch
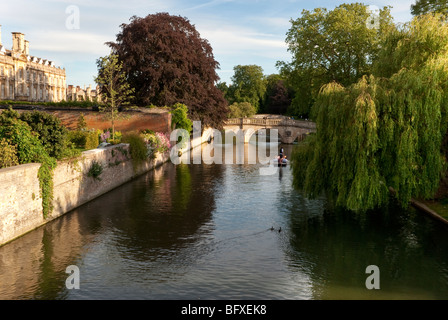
x: 289, y: 130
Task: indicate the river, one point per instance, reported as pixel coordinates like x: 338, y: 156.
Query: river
x: 203, y: 231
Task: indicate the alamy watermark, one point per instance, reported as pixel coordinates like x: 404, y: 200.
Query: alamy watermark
x: 228, y: 148
x: 73, y: 21
x: 373, y: 21
x: 73, y: 280
x: 373, y: 280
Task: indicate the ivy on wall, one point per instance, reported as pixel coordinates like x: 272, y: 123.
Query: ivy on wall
x: 29, y: 149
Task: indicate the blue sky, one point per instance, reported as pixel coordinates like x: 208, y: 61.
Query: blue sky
x: 239, y: 31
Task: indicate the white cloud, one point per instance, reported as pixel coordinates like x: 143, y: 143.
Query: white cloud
x: 71, y: 42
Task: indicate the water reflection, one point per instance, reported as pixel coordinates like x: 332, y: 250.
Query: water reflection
x: 203, y: 232
x: 334, y: 247
x: 153, y: 218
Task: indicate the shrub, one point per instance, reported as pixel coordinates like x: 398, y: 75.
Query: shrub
x: 8, y: 154
x: 84, y: 139
x: 52, y: 134
x: 19, y: 134
x: 137, y: 146
x: 92, y: 140
x: 71, y: 151
x: 78, y: 138
x: 95, y: 170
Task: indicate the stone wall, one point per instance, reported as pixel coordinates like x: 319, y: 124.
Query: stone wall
x: 131, y: 121
x: 20, y: 201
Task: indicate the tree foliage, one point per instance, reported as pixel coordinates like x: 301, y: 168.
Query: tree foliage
x: 166, y: 62
x: 387, y: 129
x: 8, y: 154
x: 179, y: 117
x: 277, y: 98
x: 337, y: 45
x: 248, y: 85
x: 429, y: 6
x: 45, y: 127
x: 241, y: 110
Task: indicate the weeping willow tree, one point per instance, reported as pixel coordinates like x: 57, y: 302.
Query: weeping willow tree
x: 385, y: 131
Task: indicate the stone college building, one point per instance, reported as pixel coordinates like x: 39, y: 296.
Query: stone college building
x: 28, y: 78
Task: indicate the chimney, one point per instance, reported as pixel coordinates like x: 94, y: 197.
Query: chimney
x: 27, y: 48
x: 18, y: 42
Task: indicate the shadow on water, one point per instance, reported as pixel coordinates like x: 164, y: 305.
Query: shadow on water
x: 161, y: 214
x: 334, y: 247
x: 152, y: 218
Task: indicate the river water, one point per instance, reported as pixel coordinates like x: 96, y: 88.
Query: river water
x: 203, y: 231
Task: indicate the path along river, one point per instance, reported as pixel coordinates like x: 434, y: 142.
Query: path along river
x: 202, y: 231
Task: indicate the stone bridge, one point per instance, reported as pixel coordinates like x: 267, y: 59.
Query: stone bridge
x: 289, y: 130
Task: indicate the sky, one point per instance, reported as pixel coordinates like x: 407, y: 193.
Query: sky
x: 72, y: 33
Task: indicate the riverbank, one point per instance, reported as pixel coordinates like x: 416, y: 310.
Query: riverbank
x: 438, y: 206
x: 434, y: 209
x: 429, y: 207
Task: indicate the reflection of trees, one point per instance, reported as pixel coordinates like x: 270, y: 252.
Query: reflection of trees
x: 153, y: 216
x: 152, y: 219
x: 335, y: 247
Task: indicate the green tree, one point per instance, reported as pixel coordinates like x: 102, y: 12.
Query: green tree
x: 179, y: 117
x: 338, y: 45
x: 383, y: 131
x: 82, y: 123
x: 248, y: 85
x: 277, y: 98
x: 115, y: 90
x: 241, y: 110
x: 428, y: 6
x: 223, y: 87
